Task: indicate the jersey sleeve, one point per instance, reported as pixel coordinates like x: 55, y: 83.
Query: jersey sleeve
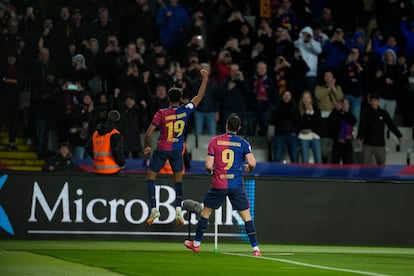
x: 156, y: 120
x: 211, y: 148
x: 246, y: 147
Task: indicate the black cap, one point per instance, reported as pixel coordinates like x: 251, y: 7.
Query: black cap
x: 113, y: 116
x: 131, y: 96
x: 373, y: 96
x: 87, y: 93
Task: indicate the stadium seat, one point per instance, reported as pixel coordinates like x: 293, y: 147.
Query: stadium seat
x: 190, y: 142
x: 258, y: 142
x: 261, y: 155
x: 202, y: 141
x: 198, y: 154
x: 398, y: 158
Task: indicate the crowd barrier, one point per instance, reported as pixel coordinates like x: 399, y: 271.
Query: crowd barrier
x: 286, y: 210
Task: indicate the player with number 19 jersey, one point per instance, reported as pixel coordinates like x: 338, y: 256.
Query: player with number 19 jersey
x: 172, y: 123
x: 228, y: 151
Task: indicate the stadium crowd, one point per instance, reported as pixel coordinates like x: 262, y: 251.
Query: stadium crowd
x: 287, y: 63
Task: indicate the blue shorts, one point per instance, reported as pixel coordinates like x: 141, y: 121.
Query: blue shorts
x: 238, y: 198
x: 159, y: 157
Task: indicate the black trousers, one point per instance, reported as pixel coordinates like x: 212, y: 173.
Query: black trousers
x: 342, y: 151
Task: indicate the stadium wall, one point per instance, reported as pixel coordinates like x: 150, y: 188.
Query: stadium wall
x: 286, y: 210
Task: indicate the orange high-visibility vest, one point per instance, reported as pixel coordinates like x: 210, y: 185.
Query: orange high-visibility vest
x: 103, y: 161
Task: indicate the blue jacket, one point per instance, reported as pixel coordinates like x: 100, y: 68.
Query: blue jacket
x: 409, y: 38
x: 172, y: 27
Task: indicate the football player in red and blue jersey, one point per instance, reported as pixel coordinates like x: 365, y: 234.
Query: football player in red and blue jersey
x: 225, y: 160
x: 172, y: 123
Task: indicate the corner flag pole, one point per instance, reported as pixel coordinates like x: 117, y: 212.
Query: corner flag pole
x: 216, y: 231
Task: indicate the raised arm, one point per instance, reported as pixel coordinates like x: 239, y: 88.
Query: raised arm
x: 202, y: 90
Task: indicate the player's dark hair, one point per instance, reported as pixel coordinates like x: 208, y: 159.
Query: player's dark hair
x: 233, y: 122
x: 174, y: 94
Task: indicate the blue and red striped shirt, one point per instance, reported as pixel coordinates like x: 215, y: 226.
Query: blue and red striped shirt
x: 228, y: 151
x: 172, y: 123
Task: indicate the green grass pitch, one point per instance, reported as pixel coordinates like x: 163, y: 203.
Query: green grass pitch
x: 172, y: 258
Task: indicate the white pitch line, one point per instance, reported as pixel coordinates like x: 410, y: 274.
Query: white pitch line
x: 309, y: 265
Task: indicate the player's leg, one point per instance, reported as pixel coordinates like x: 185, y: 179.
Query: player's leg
x: 212, y: 200
x: 240, y: 202
x: 156, y: 162
x: 176, y: 161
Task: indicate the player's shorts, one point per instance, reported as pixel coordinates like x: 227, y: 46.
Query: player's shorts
x: 159, y: 157
x: 238, y: 198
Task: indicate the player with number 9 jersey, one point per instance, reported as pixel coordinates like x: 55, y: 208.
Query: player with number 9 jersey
x: 228, y: 151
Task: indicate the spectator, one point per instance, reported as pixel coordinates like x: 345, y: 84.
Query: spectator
x: 326, y: 22
x: 81, y: 31
x: 318, y: 34
x: 309, y: 128
x: 198, y: 26
x: 340, y: 125
x: 172, y: 20
x: 283, y: 45
x: 232, y: 45
x: 11, y: 40
x: 92, y: 52
x: 285, y: 17
x: 138, y: 20
x: 131, y: 55
x: 106, y: 146
x: 131, y: 126
x: 206, y: 115
x: 55, y: 42
x: 297, y: 83
x: 380, y: 48
x: 11, y: 84
x: 159, y: 100
x: 61, y: 161
x: 310, y: 49
x: 327, y: 96
x: 388, y: 78
x: 246, y: 39
x: 233, y: 24
x: 106, y: 62
x: 232, y: 97
x: 103, y: 26
x: 265, y: 36
x: 260, y: 100
x: 358, y: 41
x: 334, y: 51
x: 131, y: 82
x: 197, y: 46
x: 282, y: 74
x: 221, y: 67
x: 304, y: 12
x: 286, y: 120
x: 49, y: 114
x: 81, y: 74
x: 84, y: 122
x: 371, y: 131
x: 408, y: 32
x: 408, y: 97
x: 352, y: 78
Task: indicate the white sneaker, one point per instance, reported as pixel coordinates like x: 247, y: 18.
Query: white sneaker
x: 179, y: 217
x: 153, y: 216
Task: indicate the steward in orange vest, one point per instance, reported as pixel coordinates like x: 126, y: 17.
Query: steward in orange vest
x: 107, y: 145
